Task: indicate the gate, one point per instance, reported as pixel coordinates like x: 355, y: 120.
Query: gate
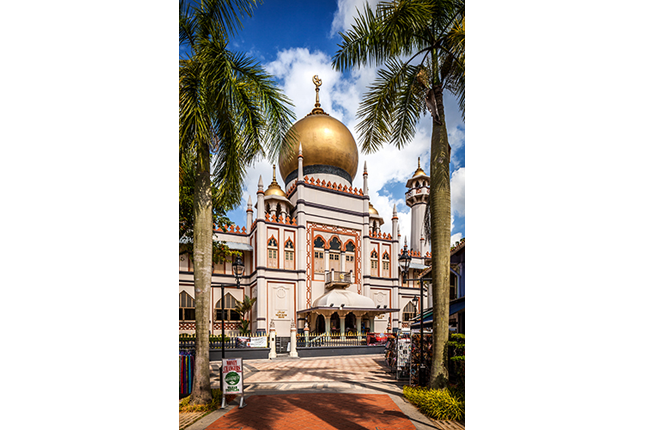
x: 281, y: 344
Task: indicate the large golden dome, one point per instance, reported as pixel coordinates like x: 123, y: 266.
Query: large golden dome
x: 327, y: 145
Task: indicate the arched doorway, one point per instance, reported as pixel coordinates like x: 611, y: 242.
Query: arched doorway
x: 320, y: 324
x: 350, y: 323
x: 335, y: 323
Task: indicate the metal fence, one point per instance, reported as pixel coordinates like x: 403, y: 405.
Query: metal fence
x: 187, y: 341
x: 338, y: 340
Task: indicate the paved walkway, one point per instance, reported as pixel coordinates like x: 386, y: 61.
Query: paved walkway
x: 353, y: 393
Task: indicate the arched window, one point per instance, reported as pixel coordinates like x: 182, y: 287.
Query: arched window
x: 409, y: 311
x: 349, y: 256
x: 186, y: 307
x: 386, y: 265
x: 288, y: 255
x: 272, y: 253
x: 230, y: 314
x: 319, y: 255
x: 374, y: 261
x: 334, y: 254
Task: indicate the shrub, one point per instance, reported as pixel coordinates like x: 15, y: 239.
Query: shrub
x: 438, y: 404
x: 184, y: 405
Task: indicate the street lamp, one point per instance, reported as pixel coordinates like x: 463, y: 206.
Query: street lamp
x: 238, y: 270
x: 404, y: 264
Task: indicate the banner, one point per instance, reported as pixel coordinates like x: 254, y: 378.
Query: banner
x: 258, y: 342
x: 233, y: 375
x: 251, y: 342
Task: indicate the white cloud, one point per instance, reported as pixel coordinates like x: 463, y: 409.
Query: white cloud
x: 344, y: 15
x: 458, y: 192
x: 340, y: 96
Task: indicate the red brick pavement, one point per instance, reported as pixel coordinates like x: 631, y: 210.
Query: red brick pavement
x: 315, y: 411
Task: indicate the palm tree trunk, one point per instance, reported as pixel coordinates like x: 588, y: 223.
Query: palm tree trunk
x: 202, y: 258
x: 440, y: 241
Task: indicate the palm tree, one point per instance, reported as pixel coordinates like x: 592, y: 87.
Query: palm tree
x: 228, y: 108
x: 243, y: 308
x: 420, y: 44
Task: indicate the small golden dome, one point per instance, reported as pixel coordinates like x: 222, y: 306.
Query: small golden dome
x: 373, y: 210
x: 274, y: 188
x: 419, y: 169
x: 325, y: 141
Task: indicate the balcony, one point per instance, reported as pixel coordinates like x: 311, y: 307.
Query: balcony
x: 338, y: 279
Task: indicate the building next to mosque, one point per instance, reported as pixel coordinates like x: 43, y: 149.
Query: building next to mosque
x: 314, y: 252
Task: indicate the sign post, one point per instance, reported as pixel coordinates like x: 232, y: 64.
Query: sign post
x: 232, y: 379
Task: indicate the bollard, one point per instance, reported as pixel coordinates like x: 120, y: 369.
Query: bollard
x: 293, y: 353
x: 306, y: 334
x: 272, y: 353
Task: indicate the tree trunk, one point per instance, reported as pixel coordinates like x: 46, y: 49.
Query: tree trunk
x: 202, y: 258
x: 440, y: 241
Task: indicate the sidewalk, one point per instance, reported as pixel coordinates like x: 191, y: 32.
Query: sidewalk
x: 356, y: 392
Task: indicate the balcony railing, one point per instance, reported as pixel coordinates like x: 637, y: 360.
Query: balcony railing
x: 333, y: 278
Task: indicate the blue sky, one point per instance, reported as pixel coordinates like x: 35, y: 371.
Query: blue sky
x: 295, y: 40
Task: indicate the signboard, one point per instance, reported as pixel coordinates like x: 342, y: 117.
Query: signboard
x: 258, y: 342
x: 233, y: 375
x: 251, y: 342
x: 403, y: 356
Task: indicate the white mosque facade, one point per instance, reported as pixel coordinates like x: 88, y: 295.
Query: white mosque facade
x: 313, y: 250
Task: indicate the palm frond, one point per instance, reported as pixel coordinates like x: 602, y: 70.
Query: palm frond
x: 409, y: 106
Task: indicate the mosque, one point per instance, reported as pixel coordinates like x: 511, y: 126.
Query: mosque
x: 313, y: 250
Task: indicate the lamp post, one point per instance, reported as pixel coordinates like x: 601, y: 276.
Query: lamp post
x: 238, y: 270
x: 404, y: 264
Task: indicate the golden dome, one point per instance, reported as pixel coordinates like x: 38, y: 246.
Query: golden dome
x: 325, y: 142
x: 274, y: 188
x: 373, y: 210
x: 419, y: 169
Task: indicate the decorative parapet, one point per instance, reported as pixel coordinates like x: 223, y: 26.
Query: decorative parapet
x: 327, y: 185
x: 231, y: 229
x: 280, y: 220
x: 380, y: 235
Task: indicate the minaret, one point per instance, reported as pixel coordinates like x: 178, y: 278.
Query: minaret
x: 260, y: 252
x: 260, y: 204
x: 395, y: 229
x: 367, y: 243
x: 365, y: 192
x: 249, y: 215
x: 417, y: 198
x: 300, y: 168
x: 301, y: 239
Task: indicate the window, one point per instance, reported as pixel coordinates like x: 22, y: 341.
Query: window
x: 409, y: 311
x: 334, y: 254
x: 374, y: 260
x: 288, y: 255
x: 386, y: 265
x: 230, y: 314
x: 319, y: 255
x: 272, y: 255
x: 349, y: 255
x: 186, y: 307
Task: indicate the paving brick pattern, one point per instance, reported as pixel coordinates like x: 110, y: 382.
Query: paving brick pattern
x: 364, y: 369
x: 315, y: 411
x: 353, y: 393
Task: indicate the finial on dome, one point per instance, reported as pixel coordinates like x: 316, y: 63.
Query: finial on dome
x: 274, y: 173
x: 317, y: 109
x: 419, y: 162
